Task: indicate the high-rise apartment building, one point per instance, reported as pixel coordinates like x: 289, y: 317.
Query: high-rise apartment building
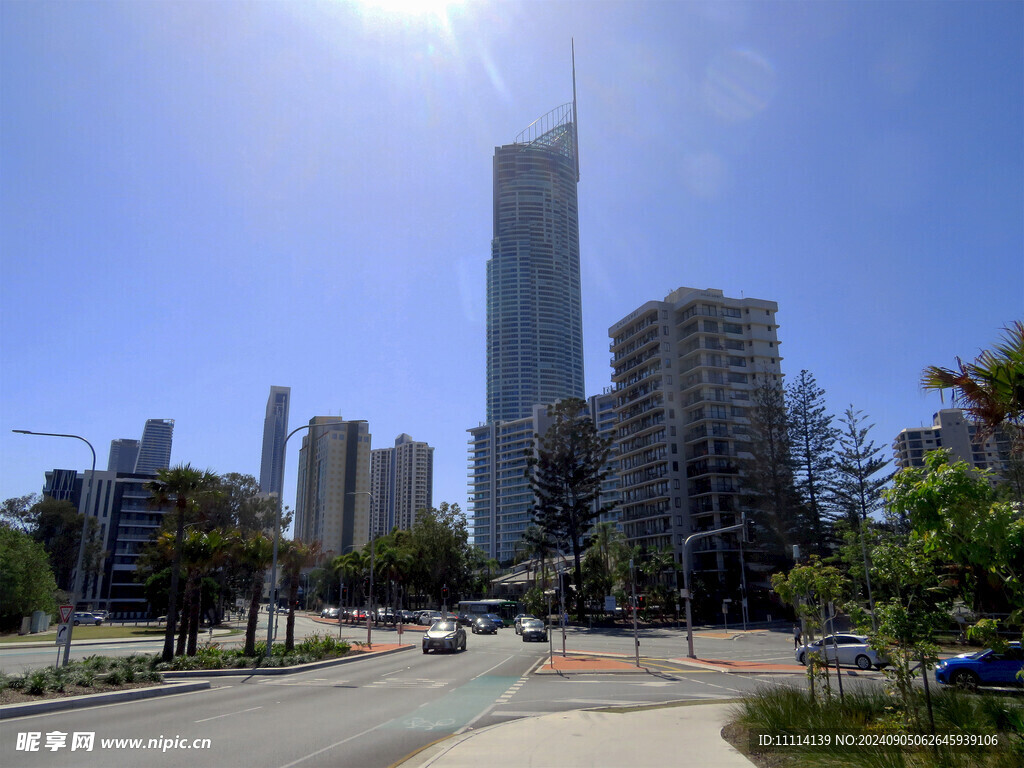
x: 332, y: 502
x: 275, y: 430
x: 401, y: 482
x: 684, y: 371
x: 534, y: 309
x: 155, y: 446
x: 602, y: 413
x: 123, y: 455
x: 952, y: 430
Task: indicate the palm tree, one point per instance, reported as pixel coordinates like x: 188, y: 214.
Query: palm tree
x: 254, y: 553
x: 654, y: 567
x: 347, y: 567
x: 990, y: 389
x: 187, y: 488
x: 295, y: 556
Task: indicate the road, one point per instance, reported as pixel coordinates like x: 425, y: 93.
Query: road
x: 375, y: 712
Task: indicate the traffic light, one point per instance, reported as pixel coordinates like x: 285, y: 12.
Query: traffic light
x: 444, y: 593
x: 366, y: 585
x: 749, y: 532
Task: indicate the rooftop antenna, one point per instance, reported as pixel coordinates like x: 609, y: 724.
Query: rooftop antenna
x: 575, y: 132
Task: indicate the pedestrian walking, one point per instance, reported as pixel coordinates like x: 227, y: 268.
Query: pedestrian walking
x: 797, y: 636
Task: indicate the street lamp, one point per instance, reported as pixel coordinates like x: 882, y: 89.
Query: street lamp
x: 277, y: 535
x: 369, y: 595
x: 77, y: 587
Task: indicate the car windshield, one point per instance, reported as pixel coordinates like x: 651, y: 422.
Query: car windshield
x: 533, y: 623
x: 443, y: 626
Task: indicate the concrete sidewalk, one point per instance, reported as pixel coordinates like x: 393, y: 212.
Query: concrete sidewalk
x: 637, y: 738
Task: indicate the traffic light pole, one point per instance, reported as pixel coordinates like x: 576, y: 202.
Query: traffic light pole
x: 686, y: 575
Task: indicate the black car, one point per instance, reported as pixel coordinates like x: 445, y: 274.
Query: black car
x: 533, y: 629
x: 484, y: 626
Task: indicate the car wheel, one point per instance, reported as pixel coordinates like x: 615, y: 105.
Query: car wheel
x: 862, y: 662
x: 802, y: 660
x: 965, y: 679
x: 76, y: 622
x: 424, y: 650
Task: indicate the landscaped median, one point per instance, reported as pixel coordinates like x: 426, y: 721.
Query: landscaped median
x: 101, y: 680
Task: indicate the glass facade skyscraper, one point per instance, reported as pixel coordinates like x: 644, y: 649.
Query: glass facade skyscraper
x: 275, y: 430
x: 534, y: 314
x: 155, y: 446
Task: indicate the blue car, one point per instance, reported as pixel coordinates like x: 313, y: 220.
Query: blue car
x: 969, y: 670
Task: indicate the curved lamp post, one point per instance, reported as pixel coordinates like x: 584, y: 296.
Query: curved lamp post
x: 77, y: 588
x: 277, y: 535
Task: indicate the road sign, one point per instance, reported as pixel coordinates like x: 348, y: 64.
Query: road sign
x: 65, y: 613
x: 63, y: 634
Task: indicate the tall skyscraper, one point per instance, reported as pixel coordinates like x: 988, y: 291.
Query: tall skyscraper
x: 332, y: 503
x: 155, y: 446
x: 123, y: 455
x: 534, y: 309
x: 534, y: 319
x: 402, y: 483
x: 275, y: 430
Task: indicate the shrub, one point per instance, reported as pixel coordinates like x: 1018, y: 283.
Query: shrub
x: 37, y: 681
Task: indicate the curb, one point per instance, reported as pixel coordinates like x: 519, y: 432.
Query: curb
x: 188, y: 674
x: 28, y: 645
x: 94, y: 699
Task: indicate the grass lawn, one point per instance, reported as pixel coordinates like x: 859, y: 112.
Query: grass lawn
x: 102, y: 632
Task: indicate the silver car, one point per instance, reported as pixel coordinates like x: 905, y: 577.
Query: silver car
x: 444, y: 635
x: 853, y: 651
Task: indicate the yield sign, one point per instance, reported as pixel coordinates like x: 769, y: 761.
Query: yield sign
x: 65, y: 613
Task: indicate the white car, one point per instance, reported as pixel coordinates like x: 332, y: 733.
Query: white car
x: 853, y: 651
x: 84, y: 617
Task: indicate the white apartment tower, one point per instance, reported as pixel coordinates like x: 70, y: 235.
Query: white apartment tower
x: 952, y: 430
x: 402, y: 483
x: 684, y: 372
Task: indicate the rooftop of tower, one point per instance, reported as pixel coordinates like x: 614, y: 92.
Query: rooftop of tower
x: 555, y: 131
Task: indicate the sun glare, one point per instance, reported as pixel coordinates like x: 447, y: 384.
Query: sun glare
x: 410, y: 8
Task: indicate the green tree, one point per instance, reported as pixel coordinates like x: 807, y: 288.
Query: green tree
x: 605, y: 549
x: 57, y: 525
x: 565, y: 472
x: 812, y: 590
x: 857, y: 492
x: 812, y: 439
x: 17, y: 512
x: 186, y: 489
x: 439, y: 543
x: 26, y: 580
x: 296, y: 555
x: 768, y: 482
x: 953, y: 509
x: 349, y: 567
x: 253, y: 553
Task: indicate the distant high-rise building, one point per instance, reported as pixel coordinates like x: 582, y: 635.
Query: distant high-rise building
x: 332, y: 503
x: 401, y: 481
x: 155, y: 446
x: 952, y: 430
x: 123, y: 455
x: 275, y: 430
x: 534, y: 309
x: 685, y: 370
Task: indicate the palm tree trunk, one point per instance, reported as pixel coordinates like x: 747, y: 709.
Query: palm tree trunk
x: 255, y: 592
x: 193, y: 622
x: 172, y: 597
x: 289, y: 631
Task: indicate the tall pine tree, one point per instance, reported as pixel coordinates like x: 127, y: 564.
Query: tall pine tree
x: 565, y: 474
x: 812, y: 442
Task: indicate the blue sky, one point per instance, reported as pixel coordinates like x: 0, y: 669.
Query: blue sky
x: 200, y: 200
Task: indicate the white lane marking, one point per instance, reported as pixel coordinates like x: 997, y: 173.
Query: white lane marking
x: 229, y: 714
x: 332, y: 746
x: 507, y: 658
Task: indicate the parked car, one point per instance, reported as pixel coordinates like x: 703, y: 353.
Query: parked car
x: 518, y: 621
x: 444, y: 635
x: 408, y: 617
x: 484, y: 626
x: 329, y: 613
x: 533, y: 629
x: 84, y: 617
x: 969, y: 670
x: 427, y: 618
x: 853, y: 651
